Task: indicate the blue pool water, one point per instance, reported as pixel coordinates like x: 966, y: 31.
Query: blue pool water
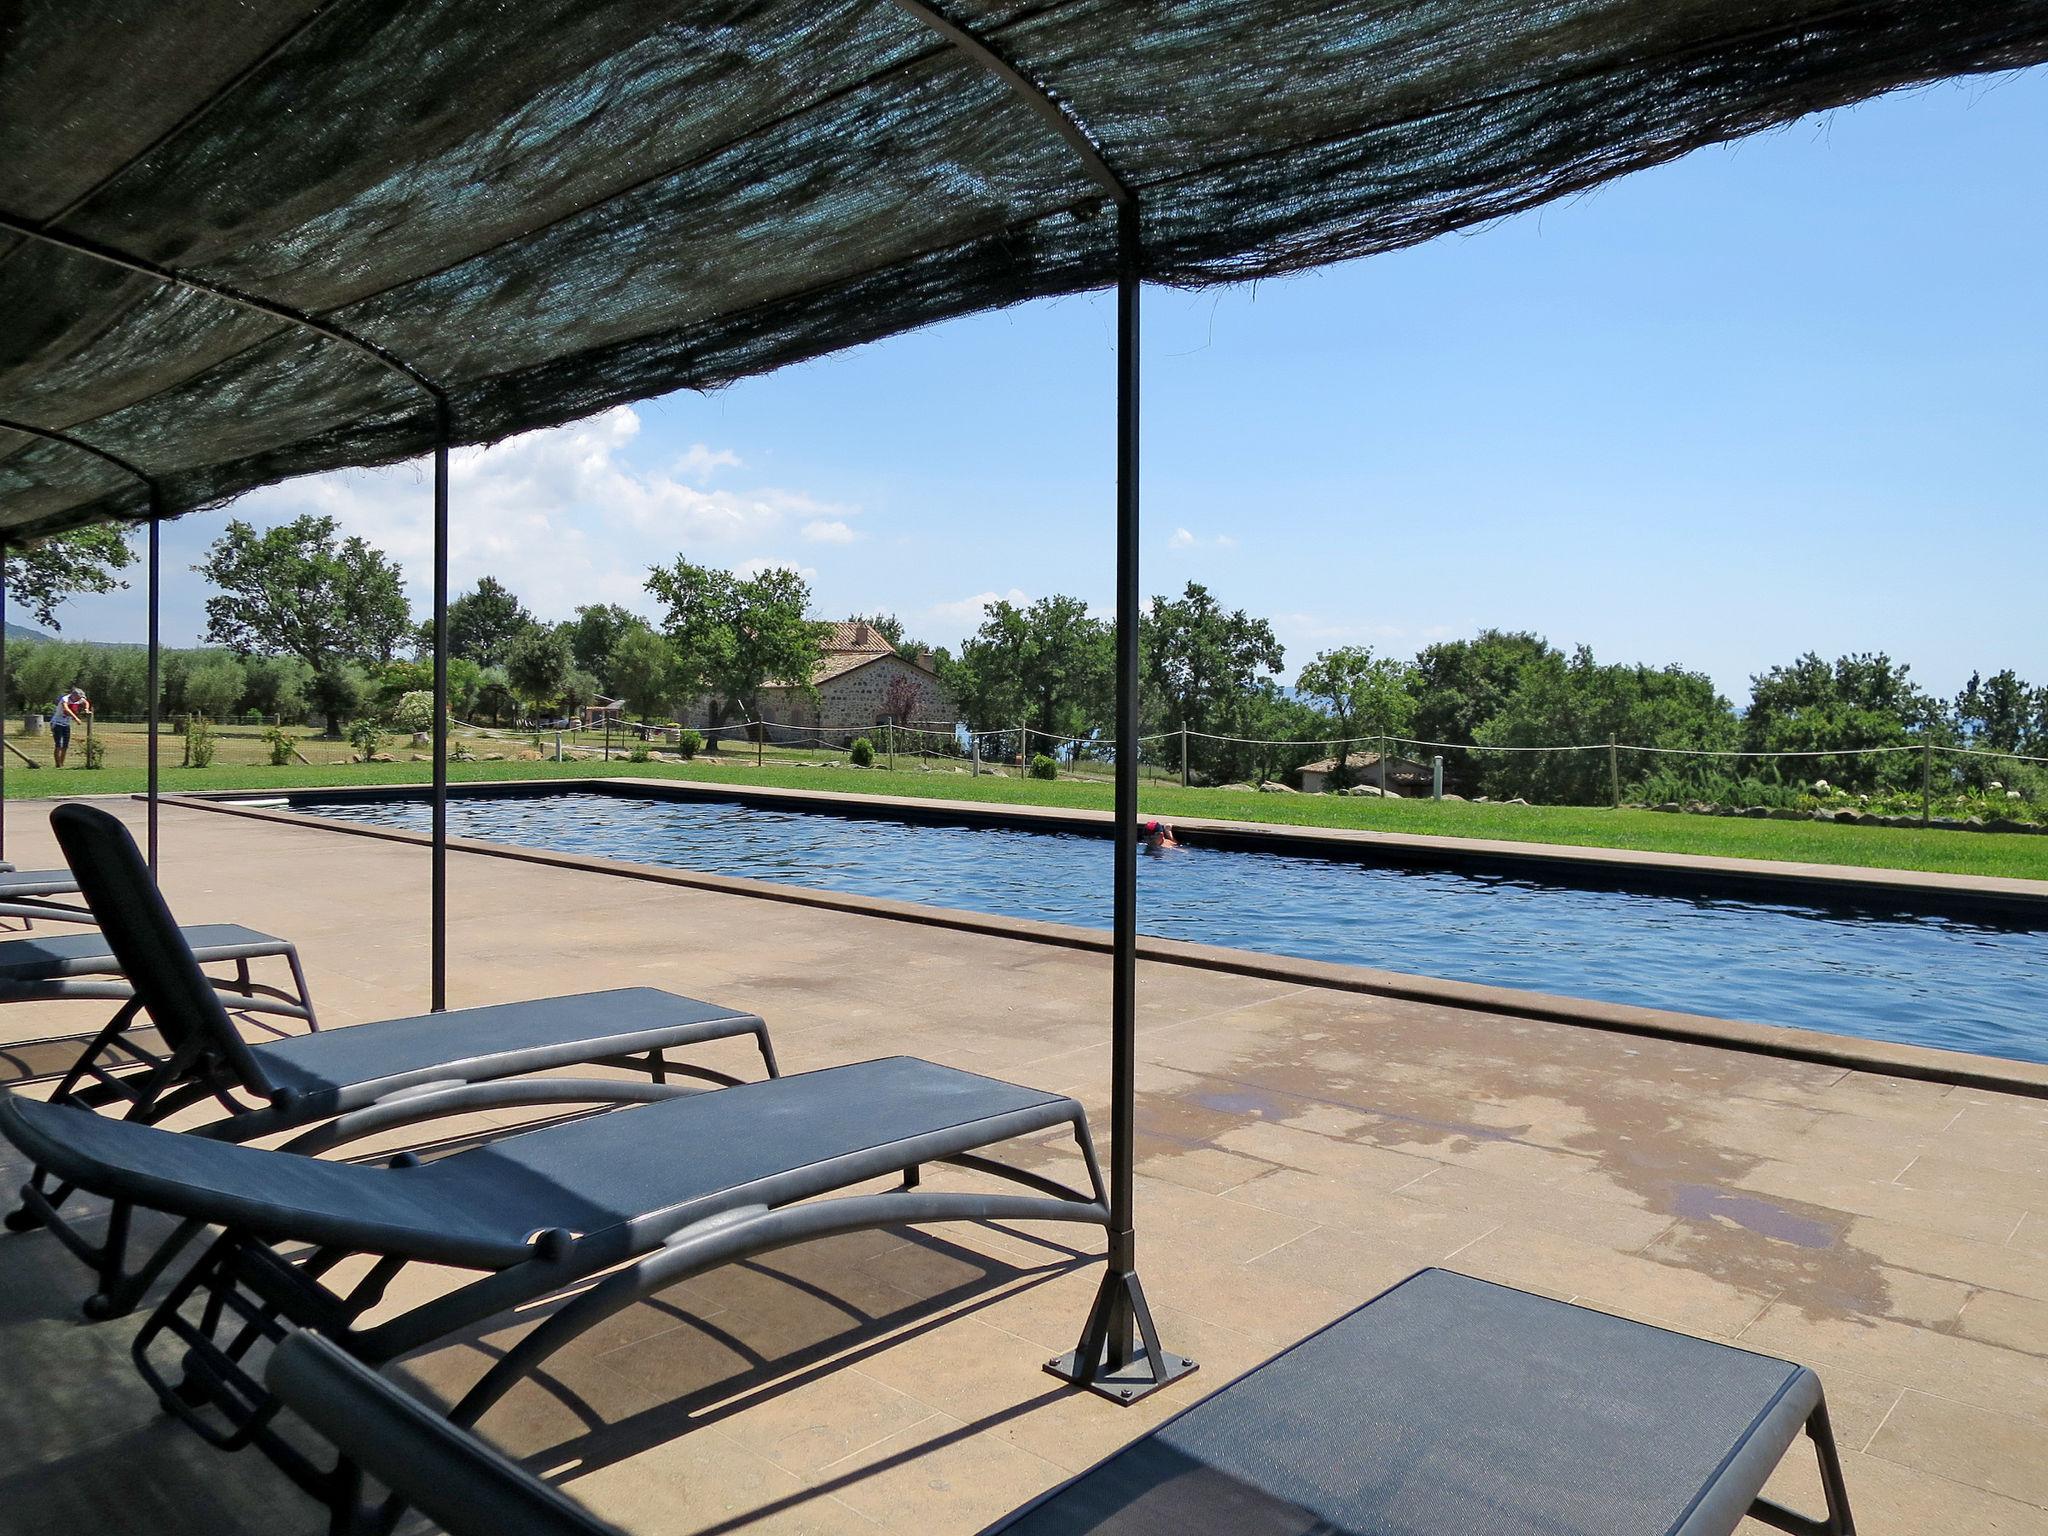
x: 1918, y: 979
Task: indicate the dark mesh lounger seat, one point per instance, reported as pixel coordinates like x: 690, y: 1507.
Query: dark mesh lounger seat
x: 1449, y: 1406
x: 653, y: 1194
x: 333, y: 1086
x: 1453, y: 1405
x: 25, y: 896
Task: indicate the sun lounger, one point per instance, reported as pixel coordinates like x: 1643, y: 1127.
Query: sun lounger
x: 335, y: 1086
x: 25, y: 896
x: 448, y: 1474
x: 85, y: 965
x: 622, y: 1205
x: 1448, y: 1405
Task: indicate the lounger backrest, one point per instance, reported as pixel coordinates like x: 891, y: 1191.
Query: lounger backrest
x: 144, y: 937
x: 465, y: 1487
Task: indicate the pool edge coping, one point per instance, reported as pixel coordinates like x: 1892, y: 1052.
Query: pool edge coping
x: 1924, y: 1063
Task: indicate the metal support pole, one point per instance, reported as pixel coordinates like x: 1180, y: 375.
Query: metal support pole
x: 155, y: 660
x: 1926, y: 783
x: 439, y: 987
x: 1614, y: 770
x: 3, y: 697
x: 1119, y: 1354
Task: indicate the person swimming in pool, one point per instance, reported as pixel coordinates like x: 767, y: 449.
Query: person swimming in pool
x: 1159, y: 837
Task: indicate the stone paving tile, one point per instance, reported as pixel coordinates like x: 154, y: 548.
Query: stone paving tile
x: 1994, y: 1451
x: 1299, y: 1151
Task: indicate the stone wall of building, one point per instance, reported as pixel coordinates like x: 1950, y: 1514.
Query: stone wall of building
x: 859, y: 698
x: 851, y: 701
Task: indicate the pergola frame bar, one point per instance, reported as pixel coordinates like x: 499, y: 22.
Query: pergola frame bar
x: 149, y: 484
x: 443, y: 431
x: 1119, y: 1353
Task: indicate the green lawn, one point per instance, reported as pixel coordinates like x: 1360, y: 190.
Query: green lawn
x: 1967, y: 853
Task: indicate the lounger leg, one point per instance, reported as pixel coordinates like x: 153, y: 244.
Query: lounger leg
x: 767, y: 1050
x: 291, y: 958
x: 120, y: 1294
x: 1839, y: 1521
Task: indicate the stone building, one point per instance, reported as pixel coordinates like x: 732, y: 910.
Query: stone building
x: 860, y: 681
x: 1404, y: 774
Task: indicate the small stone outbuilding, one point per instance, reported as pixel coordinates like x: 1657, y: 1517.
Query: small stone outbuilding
x: 1404, y: 774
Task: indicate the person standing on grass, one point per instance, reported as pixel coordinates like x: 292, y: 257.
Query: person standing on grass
x: 72, y: 707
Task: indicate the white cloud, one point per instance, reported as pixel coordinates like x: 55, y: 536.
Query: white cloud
x: 968, y: 610
x: 561, y: 516
x: 820, y: 530
x: 1183, y: 538
x: 700, y: 461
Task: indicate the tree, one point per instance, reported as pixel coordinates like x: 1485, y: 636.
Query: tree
x: 901, y: 700
x: 42, y: 575
x: 1856, y: 702
x: 414, y: 712
x: 537, y: 666
x: 1460, y: 685
x: 215, y: 687
x: 483, y: 622
x: 276, y: 685
x: 2002, y: 713
x: 593, y: 633
x: 1361, y: 691
x: 735, y: 636
x: 1049, y: 666
x: 1198, y: 659
x: 578, y: 688
x: 296, y: 590
x: 1578, y: 702
x: 645, y: 671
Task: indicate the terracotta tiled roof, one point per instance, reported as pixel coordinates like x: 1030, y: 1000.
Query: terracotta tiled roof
x: 853, y: 636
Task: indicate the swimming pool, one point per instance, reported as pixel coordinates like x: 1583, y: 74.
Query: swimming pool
x: 1923, y: 980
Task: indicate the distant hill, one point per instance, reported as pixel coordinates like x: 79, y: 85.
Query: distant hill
x: 23, y: 632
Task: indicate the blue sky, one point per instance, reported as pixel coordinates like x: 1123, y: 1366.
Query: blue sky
x: 1783, y: 394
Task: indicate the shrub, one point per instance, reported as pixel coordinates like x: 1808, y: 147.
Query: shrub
x: 414, y: 712
x: 1043, y: 767
x: 638, y: 753
x: 95, y: 752
x: 366, y: 736
x: 862, y: 752
x: 282, y: 743
x: 199, y: 743
x: 460, y: 753
x: 690, y: 743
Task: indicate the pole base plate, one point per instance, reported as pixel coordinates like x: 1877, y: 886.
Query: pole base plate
x: 1126, y: 1384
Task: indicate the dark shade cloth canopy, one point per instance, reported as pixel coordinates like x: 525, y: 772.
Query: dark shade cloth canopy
x: 548, y: 207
